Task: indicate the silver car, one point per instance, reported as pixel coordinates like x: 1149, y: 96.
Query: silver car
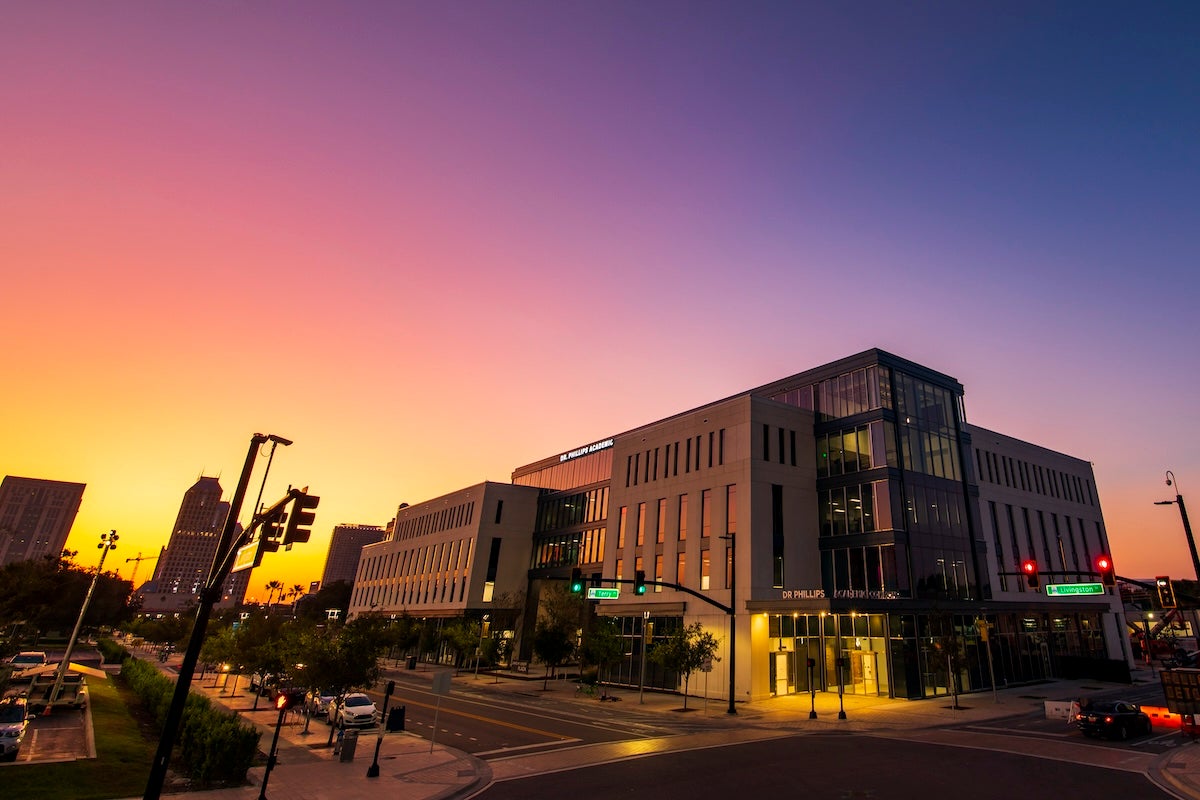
x: 355, y: 711
x: 14, y: 717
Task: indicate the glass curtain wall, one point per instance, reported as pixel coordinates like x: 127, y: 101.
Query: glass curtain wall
x: 858, y: 640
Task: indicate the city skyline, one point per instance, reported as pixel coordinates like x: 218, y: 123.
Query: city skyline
x: 431, y: 245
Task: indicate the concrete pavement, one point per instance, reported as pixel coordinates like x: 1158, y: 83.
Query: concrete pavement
x: 411, y: 770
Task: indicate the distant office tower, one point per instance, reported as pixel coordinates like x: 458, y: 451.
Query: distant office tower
x: 35, y: 517
x: 184, y: 565
x: 345, y: 546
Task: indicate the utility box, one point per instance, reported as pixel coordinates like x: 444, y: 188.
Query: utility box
x: 395, y: 719
x: 411, y: 663
x: 349, y: 743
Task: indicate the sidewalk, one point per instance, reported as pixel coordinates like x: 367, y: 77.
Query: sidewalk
x: 408, y: 770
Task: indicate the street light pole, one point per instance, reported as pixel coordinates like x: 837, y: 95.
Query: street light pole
x: 1187, y: 527
x: 108, y: 541
x: 208, y: 598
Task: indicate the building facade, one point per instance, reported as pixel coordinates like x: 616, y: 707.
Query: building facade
x: 843, y: 528
x: 184, y: 565
x: 345, y: 547
x: 36, y: 516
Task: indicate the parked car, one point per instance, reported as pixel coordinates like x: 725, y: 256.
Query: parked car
x: 14, y: 717
x: 355, y: 711
x: 1114, y: 718
x: 317, y: 704
x: 25, y: 665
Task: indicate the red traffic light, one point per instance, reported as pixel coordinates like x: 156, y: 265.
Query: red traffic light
x: 1030, y: 568
x: 1104, y: 566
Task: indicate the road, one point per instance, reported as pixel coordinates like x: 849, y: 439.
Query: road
x: 832, y: 767
x: 490, y: 725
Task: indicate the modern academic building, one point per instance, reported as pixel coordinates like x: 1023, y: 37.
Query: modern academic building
x: 844, y: 526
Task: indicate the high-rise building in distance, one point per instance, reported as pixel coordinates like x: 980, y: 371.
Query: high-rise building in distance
x: 36, y: 516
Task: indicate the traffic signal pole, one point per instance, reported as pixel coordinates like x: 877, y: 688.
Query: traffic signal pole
x: 208, y: 598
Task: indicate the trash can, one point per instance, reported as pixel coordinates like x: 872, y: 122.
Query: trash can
x: 395, y: 720
x: 349, y: 742
x: 411, y: 663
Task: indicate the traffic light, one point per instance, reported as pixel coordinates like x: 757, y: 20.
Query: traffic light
x: 1030, y: 568
x: 301, y: 518
x: 288, y: 698
x: 576, y: 580
x: 1166, y: 592
x: 1104, y: 566
x: 639, y: 582
x: 272, y: 532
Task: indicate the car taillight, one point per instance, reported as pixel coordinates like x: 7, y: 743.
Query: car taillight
x: 1108, y: 720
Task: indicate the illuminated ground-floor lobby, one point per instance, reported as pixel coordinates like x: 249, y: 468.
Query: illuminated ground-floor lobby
x: 915, y: 655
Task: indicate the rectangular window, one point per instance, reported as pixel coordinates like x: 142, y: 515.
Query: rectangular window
x: 776, y: 535
x: 661, y: 528
x: 706, y: 513
x: 675, y: 461
x: 781, y: 448
x: 697, y: 454
x: 766, y: 442
x: 637, y: 467
x: 792, y: 447
x: 721, y: 447
x: 641, y: 524
x: 704, y: 570
x: 621, y: 528
x: 658, y: 571
x: 499, y: 510
x: 731, y: 508
x: 618, y: 568
x: 681, y: 568
x: 683, y: 517
x: 687, y: 459
x: 711, y: 435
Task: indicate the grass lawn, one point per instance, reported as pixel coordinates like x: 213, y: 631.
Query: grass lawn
x: 121, y: 766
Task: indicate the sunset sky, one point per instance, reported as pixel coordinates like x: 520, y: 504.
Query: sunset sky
x: 431, y: 242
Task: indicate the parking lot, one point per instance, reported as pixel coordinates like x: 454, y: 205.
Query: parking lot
x: 64, y: 735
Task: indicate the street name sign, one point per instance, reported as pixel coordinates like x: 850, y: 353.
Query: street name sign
x: 603, y: 593
x: 1062, y: 589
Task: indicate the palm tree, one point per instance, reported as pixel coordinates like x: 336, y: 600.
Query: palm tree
x: 272, y: 588
x: 297, y: 591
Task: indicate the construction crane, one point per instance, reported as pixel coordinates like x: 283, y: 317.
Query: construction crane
x: 138, y: 559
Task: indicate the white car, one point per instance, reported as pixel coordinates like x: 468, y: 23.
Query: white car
x: 14, y: 717
x: 355, y: 711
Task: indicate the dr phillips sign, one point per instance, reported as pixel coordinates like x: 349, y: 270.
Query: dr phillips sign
x: 583, y: 451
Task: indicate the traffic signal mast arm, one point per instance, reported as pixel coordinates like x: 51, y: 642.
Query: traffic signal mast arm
x: 668, y: 585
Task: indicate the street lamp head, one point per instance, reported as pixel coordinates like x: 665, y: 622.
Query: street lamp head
x: 1164, y: 502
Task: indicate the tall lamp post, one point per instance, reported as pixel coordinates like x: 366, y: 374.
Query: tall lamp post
x: 108, y: 541
x: 1187, y: 527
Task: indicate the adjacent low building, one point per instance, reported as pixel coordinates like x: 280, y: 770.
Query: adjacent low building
x: 844, y: 527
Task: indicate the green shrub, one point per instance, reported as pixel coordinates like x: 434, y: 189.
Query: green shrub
x: 112, y: 652
x: 214, y: 745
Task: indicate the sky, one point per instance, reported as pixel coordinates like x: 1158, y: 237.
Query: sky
x: 432, y: 242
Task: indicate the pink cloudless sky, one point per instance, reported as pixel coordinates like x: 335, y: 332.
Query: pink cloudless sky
x: 433, y: 242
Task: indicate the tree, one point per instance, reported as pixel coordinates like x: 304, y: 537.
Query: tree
x: 602, y: 646
x: 47, y: 593
x: 296, y: 592
x: 462, y: 637
x: 272, y: 587
x: 552, y: 646
x: 684, y: 652
x: 336, y: 595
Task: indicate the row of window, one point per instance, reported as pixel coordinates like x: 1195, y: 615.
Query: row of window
x: 856, y: 449
x: 419, y: 590
x: 568, y: 549
x: 579, y: 471
x: 660, y: 520
x: 565, y: 511
x: 850, y: 393
x: 440, y: 557
x: 435, y: 521
x: 701, y: 579
x: 1017, y: 474
x: 1055, y: 542
x: 646, y: 465
x: 785, y: 444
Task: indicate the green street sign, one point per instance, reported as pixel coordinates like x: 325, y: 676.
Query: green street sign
x: 1065, y: 589
x: 601, y: 593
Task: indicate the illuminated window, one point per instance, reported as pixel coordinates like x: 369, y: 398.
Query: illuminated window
x: 704, y: 570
